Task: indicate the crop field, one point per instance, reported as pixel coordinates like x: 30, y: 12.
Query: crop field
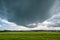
x: 29, y: 35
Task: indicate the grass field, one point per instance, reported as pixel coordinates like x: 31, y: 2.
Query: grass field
x: 29, y: 35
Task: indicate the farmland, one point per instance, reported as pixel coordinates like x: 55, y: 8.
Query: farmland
x: 29, y: 35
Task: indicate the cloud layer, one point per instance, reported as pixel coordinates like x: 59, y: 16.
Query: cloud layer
x: 10, y: 23
x: 52, y: 23
x: 24, y: 12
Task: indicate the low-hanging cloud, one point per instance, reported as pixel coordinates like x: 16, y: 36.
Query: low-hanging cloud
x: 23, y: 17
x: 24, y: 12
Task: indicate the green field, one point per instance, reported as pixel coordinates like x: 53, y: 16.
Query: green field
x: 29, y: 35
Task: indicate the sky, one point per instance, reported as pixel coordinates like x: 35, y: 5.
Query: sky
x: 29, y: 15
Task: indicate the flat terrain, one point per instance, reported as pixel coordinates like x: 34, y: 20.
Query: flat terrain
x: 29, y: 35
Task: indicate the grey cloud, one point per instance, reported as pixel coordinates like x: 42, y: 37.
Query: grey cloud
x: 24, y: 12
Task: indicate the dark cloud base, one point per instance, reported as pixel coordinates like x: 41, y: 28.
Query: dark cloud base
x: 23, y: 12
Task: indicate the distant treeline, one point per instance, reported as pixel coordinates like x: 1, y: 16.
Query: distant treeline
x: 30, y: 31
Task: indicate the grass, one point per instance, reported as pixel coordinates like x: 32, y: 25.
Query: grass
x: 29, y: 35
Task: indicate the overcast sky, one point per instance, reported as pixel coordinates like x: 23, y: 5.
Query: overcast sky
x: 29, y: 15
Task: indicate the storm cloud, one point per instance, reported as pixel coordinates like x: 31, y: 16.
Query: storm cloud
x: 24, y: 12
